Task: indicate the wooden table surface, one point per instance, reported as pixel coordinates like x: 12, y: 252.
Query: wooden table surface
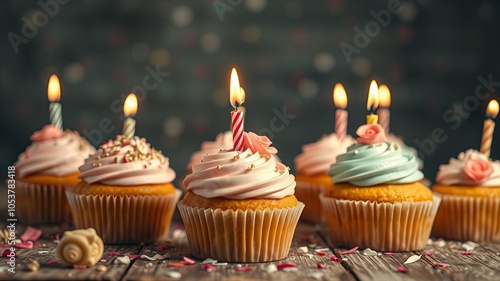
x: 441, y: 260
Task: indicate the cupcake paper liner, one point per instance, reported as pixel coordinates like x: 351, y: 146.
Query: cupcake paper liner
x: 42, y: 203
x: 127, y: 219
x: 308, y: 193
x: 240, y: 235
x: 400, y: 226
x: 468, y: 218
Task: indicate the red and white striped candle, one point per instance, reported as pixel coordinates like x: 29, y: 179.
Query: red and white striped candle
x: 54, y: 95
x: 384, y: 114
x: 340, y: 100
x: 489, y: 127
x: 236, y: 97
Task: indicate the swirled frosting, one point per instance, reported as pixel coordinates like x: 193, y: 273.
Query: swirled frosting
x: 317, y: 157
x: 251, y: 174
x: 125, y: 162
x: 222, y: 141
x: 471, y: 168
x: 367, y: 165
x: 53, y: 152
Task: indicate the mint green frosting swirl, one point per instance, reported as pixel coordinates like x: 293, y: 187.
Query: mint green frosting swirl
x: 367, y: 165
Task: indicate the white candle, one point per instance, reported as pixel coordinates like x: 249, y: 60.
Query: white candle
x: 55, y: 108
x: 340, y: 100
x: 383, y: 112
x: 129, y: 110
x: 489, y: 127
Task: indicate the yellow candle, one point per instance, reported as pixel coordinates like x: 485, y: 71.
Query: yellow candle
x: 489, y: 127
x: 385, y: 102
x: 372, y: 103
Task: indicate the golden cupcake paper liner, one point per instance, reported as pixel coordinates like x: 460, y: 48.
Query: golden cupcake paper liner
x: 400, y: 226
x: 128, y: 219
x: 308, y: 193
x: 468, y: 218
x: 42, y: 203
x: 240, y: 235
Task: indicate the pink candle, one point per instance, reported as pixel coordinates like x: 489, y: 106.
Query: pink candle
x: 340, y: 100
x: 237, y: 97
x: 489, y: 127
x: 383, y: 112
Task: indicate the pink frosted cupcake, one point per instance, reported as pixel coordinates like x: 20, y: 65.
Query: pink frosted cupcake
x: 240, y: 205
x: 126, y: 193
x: 47, y: 168
x: 470, y: 189
x: 311, y: 167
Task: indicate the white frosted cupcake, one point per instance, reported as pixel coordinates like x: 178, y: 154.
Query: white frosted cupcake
x: 47, y: 168
x: 240, y: 205
x: 470, y: 189
x: 311, y: 167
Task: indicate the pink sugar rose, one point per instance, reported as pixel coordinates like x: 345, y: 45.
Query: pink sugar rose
x: 370, y: 134
x: 478, y: 170
x: 48, y: 132
x: 258, y: 143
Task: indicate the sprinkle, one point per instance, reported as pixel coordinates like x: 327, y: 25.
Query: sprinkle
x: 356, y: 151
x: 7, y: 252
x: 247, y: 268
x: 33, y: 265
x: 322, y: 250
x: 116, y: 159
x: 53, y: 261
x: 369, y: 252
x: 173, y: 274
x: 412, y: 259
x: 237, y: 157
x: 466, y: 253
x: 155, y: 257
x: 316, y: 275
x: 43, y: 252
x: 94, y: 164
x: 441, y: 264
x: 209, y: 260
x: 321, y: 265
x: 122, y: 260
x: 336, y: 259
x: 79, y: 266
x: 31, y: 234
x: 101, y: 268
x: 427, y: 254
x: 286, y: 265
x: 302, y: 250
x: 102, y: 260
x: 321, y: 253
x: 106, y: 154
x: 209, y: 267
x: 114, y: 254
x: 219, y: 263
x: 161, y: 247
x: 149, y: 264
x: 98, y: 157
x: 249, y: 154
x: 24, y: 245
x: 175, y: 264
x: 276, y: 169
x: 125, y: 159
x: 402, y: 269
x: 188, y: 261
x: 271, y: 268
x: 132, y: 257
x: 439, y: 243
x: 219, y: 166
x: 348, y: 251
x: 251, y: 166
x: 388, y: 253
x: 99, y: 165
x: 27, y: 155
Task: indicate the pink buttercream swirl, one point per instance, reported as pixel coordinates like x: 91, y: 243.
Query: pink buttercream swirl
x: 54, y: 153
x: 126, y: 162
x: 241, y: 175
x: 48, y: 132
x: 257, y: 143
x: 470, y: 168
x: 370, y: 134
x: 317, y: 157
x: 478, y: 170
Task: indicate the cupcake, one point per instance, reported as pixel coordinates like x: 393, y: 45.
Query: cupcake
x: 240, y: 205
x: 222, y: 141
x: 311, y: 167
x: 126, y: 193
x: 470, y: 191
x: 376, y: 200
x: 47, y: 168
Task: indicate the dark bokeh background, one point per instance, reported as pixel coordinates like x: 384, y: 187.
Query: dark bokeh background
x: 288, y: 55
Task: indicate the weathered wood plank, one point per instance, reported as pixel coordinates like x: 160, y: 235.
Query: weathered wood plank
x: 304, y: 236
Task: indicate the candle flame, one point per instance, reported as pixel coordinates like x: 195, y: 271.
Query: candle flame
x: 339, y: 96
x: 384, y: 96
x: 236, y: 96
x: 54, y: 89
x: 492, y: 110
x: 372, y: 102
x: 130, y: 105
x: 243, y: 94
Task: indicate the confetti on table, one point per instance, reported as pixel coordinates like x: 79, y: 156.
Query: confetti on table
x: 348, y: 251
x: 122, y: 260
x: 286, y: 265
x: 209, y: 267
x: 247, y: 268
x: 466, y: 253
x: 188, y: 261
x: 302, y: 250
x: 173, y: 274
x: 369, y: 252
x: 441, y: 264
x: 336, y: 259
x: 412, y: 259
x: 114, y: 254
x: 31, y: 234
x: 271, y: 268
x: 402, y: 269
x: 321, y: 265
x: 209, y: 260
